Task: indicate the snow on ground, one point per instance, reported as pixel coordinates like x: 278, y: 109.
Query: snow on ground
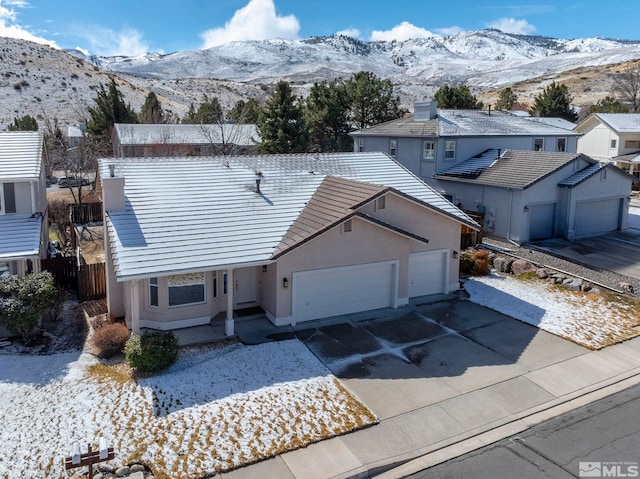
x: 217, y: 408
x: 588, y: 319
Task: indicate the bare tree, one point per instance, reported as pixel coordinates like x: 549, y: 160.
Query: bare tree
x: 626, y: 84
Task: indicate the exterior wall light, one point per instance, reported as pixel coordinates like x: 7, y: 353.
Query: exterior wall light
x: 285, y: 283
x: 454, y: 254
x: 526, y: 208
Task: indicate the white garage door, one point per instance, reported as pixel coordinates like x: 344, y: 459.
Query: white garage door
x: 333, y: 291
x: 597, y: 217
x: 427, y: 273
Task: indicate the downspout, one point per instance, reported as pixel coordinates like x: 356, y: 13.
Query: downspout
x: 33, y: 197
x: 509, y: 218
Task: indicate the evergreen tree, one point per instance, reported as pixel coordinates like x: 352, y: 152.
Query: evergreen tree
x: 109, y: 108
x: 371, y: 100
x: 209, y: 112
x: 327, y: 115
x: 24, y: 123
x: 457, y: 98
x: 282, y: 124
x: 245, y: 111
x: 554, y: 101
x: 151, y: 111
x: 190, y: 118
x: 608, y: 104
x: 506, y: 100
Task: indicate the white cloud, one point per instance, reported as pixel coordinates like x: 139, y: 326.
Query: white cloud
x: 449, y: 31
x: 10, y: 28
x: 258, y: 20
x: 350, y: 32
x: 401, y: 32
x: 83, y: 50
x: 107, y: 42
x: 511, y: 25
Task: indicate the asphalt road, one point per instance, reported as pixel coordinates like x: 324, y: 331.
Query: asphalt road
x: 605, y: 434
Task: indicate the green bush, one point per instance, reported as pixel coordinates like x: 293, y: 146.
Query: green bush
x: 151, y: 352
x: 110, y: 340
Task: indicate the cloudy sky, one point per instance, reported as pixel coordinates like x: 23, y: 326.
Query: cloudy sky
x: 130, y: 27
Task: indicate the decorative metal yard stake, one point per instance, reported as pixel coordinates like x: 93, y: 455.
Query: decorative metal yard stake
x: 89, y: 458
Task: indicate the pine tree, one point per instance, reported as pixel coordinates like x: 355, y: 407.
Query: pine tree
x: 506, y: 100
x: 608, y: 104
x: 282, y: 124
x: 457, y: 98
x: 190, y: 118
x: 554, y: 101
x: 24, y: 123
x: 327, y: 114
x: 371, y: 100
x: 151, y: 111
x: 245, y: 111
x: 109, y: 109
x: 209, y: 112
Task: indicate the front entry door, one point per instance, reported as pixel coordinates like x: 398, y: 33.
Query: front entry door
x: 246, y: 285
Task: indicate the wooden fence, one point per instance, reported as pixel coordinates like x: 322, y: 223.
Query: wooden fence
x: 89, y: 280
x: 86, y: 213
x: 471, y: 237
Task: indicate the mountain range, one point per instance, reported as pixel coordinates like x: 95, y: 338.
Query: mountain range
x: 486, y: 61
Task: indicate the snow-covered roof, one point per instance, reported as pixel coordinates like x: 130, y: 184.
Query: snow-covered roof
x: 202, y: 213
x: 20, y: 238
x: 20, y: 155
x: 554, y: 121
x: 456, y: 123
x: 515, y: 168
x: 155, y: 134
x: 621, y: 122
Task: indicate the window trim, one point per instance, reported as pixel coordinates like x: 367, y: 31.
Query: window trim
x: 204, y: 294
x: 432, y: 150
x: 613, y: 144
x: 157, y: 288
x: 448, y: 150
x: 541, y: 139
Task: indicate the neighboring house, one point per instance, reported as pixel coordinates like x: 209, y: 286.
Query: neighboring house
x: 144, y: 140
x: 23, y: 203
x: 433, y: 140
x: 301, y: 236
x: 611, y: 137
x: 566, y: 194
x: 75, y: 135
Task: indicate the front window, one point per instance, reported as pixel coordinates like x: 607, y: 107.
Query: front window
x: 186, y: 289
x: 450, y: 150
x: 153, y: 292
x: 614, y: 143
x: 360, y: 144
x: 562, y: 144
x: 393, y: 147
x: 7, y: 198
x: 538, y: 144
x: 428, y: 150
x: 632, y: 144
x: 382, y: 203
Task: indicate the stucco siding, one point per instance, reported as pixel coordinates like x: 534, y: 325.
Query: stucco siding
x: 596, y: 143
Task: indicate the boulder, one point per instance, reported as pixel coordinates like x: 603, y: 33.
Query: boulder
x: 573, y: 284
x: 137, y: 468
x: 542, y: 273
x: 123, y: 471
x: 625, y: 287
x: 502, y: 264
x: 521, y: 266
x: 586, y: 287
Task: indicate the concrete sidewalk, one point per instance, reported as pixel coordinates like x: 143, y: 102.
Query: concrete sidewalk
x: 429, y: 418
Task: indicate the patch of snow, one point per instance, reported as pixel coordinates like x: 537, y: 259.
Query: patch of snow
x: 587, y: 319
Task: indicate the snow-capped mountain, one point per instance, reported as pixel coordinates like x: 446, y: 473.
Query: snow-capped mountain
x: 487, y: 58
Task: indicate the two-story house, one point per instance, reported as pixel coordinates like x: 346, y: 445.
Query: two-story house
x: 147, y: 140
x: 433, y: 140
x: 612, y: 137
x: 23, y: 203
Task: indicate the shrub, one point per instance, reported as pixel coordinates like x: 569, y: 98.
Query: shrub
x: 151, y: 352
x: 110, y: 340
x: 475, y: 262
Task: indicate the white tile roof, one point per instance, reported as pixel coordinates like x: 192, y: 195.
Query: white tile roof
x: 621, y: 122
x: 201, y: 213
x: 20, y: 155
x: 20, y: 236
x: 145, y: 134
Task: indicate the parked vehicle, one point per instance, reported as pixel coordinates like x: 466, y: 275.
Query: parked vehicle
x: 51, y: 180
x: 73, y: 181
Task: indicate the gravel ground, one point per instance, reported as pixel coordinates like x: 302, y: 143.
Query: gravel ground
x: 606, y: 278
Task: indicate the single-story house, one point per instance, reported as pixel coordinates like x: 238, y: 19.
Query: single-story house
x: 531, y: 195
x: 147, y: 140
x: 300, y: 236
x: 23, y: 203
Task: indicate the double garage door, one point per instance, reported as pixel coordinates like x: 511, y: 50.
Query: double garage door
x: 334, y: 291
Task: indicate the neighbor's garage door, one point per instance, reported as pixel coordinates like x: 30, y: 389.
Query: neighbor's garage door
x: 541, y: 221
x: 330, y: 292
x: 427, y: 273
x: 597, y: 217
